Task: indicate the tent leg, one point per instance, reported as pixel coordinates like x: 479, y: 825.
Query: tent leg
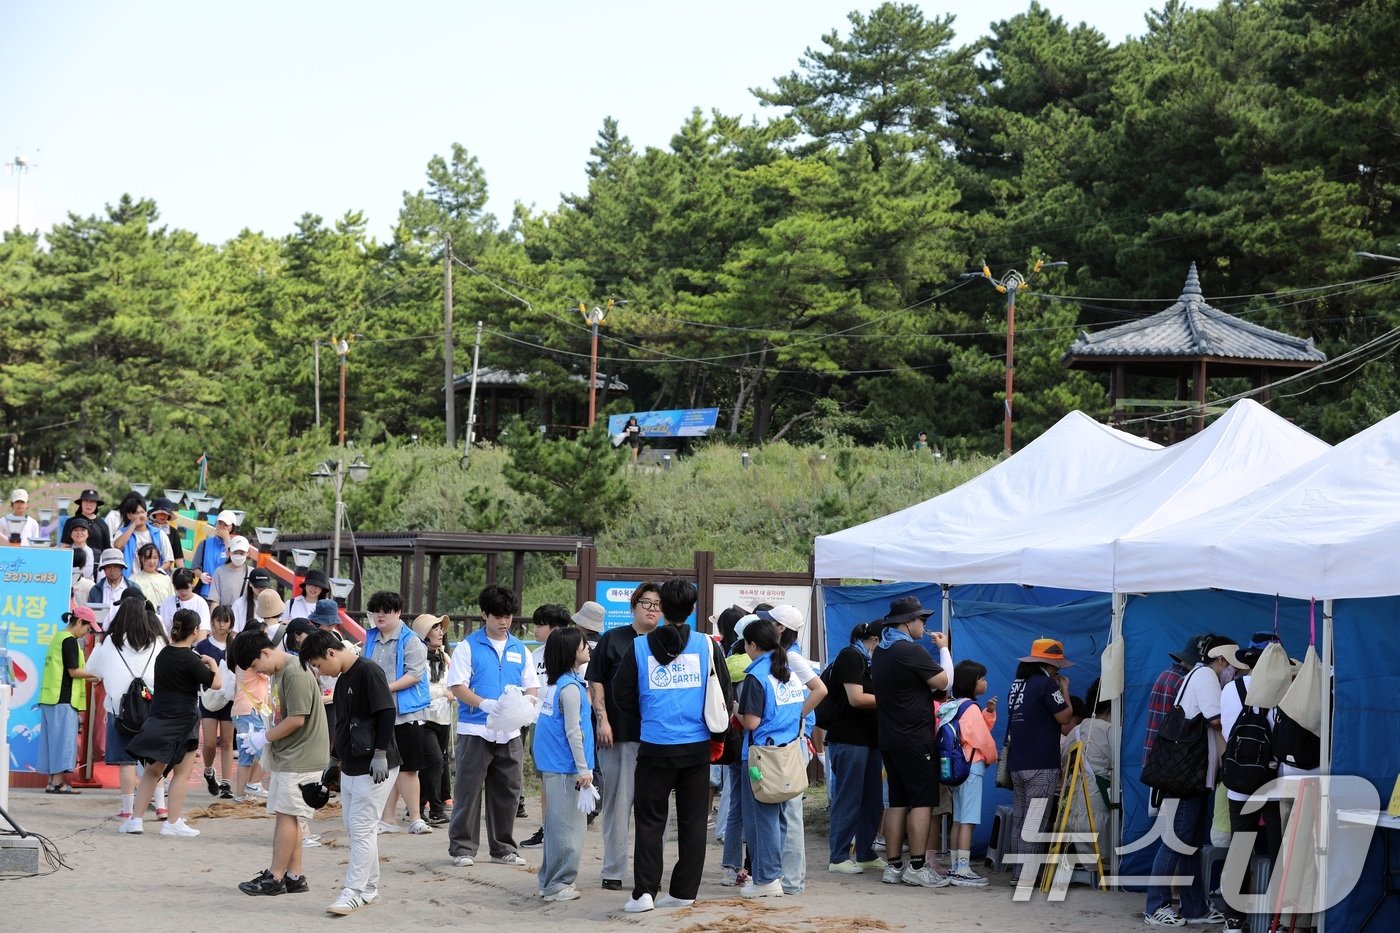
x: 1324, y: 804
x: 1115, y: 790
x: 947, y: 610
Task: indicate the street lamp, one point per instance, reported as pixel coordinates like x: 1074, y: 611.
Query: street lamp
x: 337, y: 469
x: 595, y: 317
x: 141, y: 489
x: 175, y: 495
x: 1011, y: 283
x: 267, y: 537
x: 302, y: 559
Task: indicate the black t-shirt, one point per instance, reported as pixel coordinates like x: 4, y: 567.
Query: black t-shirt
x: 615, y: 645
x: 851, y: 726
x: 70, y: 661
x: 362, y: 693
x: 177, y: 678
x: 1031, y: 706
x: 904, y: 703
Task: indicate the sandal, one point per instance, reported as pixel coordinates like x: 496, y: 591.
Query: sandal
x: 65, y: 789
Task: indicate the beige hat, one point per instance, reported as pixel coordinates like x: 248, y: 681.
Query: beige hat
x: 590, y: 617
x: 425, y: 622
x: 19, y: 495
x: 270, y: 605
x: 1229, y: 653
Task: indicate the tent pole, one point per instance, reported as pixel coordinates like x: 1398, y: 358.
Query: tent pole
x: 947, y: 612
x: 1115, y: 790
x: 1324, y: 805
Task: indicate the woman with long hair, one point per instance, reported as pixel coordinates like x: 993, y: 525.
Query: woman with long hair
x: 154, y: 582
x: 170, y: 734
x: 134, y: 638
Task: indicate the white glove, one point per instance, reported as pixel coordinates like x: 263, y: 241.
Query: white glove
x: 588, y: 798
x: 253, y: 742
x: 488, y: 706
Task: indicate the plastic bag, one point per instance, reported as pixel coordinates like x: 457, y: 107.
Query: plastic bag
x: 215, y: 700
x: 514, y: 710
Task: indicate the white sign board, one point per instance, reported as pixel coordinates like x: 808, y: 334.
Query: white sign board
x: 747, y: 596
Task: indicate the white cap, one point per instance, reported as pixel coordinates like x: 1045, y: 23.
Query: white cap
x: 789, y: 617
x: 19, y: 495
x: 743, y: 624
x: 229, y: 518
x: 237, y: 543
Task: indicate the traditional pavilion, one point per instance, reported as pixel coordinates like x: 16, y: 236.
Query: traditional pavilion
x: 1179, y: 351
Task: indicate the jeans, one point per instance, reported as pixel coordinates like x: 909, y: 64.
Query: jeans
x: 794, y: 842
x: 856, y: 800
x: 726, y: 798
x: 1191, y: 825
x: 619, y: 765
x: 763, y: 831
x: 564, y: 828
x: 361, y: 803
x: 248, y: 722
x: 734, y: 779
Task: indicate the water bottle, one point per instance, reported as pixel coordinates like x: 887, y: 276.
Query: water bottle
x: 754, y: 773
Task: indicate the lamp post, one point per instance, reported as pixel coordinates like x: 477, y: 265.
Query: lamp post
x: 594, y: 318
x: 1011, y: 283
x: 337, y: 469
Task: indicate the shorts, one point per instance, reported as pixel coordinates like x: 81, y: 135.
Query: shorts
x: 409, y: 737
x: 967, y: 796
x: 222, y: 714
x: 284, y: 793
x: 250, y: 722
x: 912, y: 774
x: 115, y: 752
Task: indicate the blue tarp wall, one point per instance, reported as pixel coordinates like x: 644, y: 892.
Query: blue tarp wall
x: 992, y: 624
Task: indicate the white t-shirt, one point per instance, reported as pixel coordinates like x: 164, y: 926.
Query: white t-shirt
x: 1200, y: 693
x: 1230, y: 709
x: 196, y: 602
x: 107, y: 663
x: 459, y: 671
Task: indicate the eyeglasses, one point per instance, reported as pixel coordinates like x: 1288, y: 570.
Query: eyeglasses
x: 650, y: 605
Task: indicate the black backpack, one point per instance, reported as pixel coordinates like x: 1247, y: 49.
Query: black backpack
x: 1249, y: 762
x: 1294, y: 744
x: 135, y: 704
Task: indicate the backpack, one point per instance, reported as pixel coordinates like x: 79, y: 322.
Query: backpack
x: 1248, y: 763
x: 1295, y: 744
x: 953, y: 765
x: 831, y: 704
x: 135, y: 704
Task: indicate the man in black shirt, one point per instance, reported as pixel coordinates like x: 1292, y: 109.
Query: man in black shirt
x: 619, y: 734
x: 363, y: 745
x: 903, y: 677
x: 857, y: 798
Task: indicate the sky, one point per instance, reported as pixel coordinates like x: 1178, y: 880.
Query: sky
x: 234, y: 116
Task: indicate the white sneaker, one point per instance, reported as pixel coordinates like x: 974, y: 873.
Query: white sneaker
x: 133, y: 826
x: 512, y: 859
x: 847, y: 867
x: 773, y: 888
x: 892, y: 874
x: 1164, y: 917
x: 639, y: 905
x: 254, y: 790
x: 966, y: 878
x: 311, y: 842
x: 384, y: 827
x: 419, y: 828
x: 567, y: 893
x: 348, y: 903
x: 729, y: 878
x: 463, y: 861
x: 667, y: 900
x: 923, y: 877
x: 178, y: 828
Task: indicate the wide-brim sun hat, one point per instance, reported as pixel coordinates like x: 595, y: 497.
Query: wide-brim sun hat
x: 424, y: 623
x: 1047, y: 651
x: 590, y: 617
x: 905, y: 609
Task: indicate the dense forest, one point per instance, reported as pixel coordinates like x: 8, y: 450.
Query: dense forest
x: 802, y: 273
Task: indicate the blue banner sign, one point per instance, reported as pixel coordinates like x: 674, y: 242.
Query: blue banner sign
x: 35, y: 584
x: 615, y: 596
x: 679, y: 422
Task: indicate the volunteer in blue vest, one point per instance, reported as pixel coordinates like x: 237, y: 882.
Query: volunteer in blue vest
x: 662, y: 680
x: 62, y: 696
x: 790, y: 623
x: 212, y: 552
x: 403, y: 657
x: 563, y: 753
x: 488, y: 760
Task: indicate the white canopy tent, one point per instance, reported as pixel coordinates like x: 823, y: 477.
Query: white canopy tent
x: 1071, y: 460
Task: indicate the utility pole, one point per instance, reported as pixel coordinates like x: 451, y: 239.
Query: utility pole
x: 1011, y: 283
x: 471, y: 400
x: 447, y: 343
x: 595, y: 317
x: 342, y: 348
x: 19, y: 168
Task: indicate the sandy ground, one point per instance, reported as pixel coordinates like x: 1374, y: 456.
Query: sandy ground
x: 159, y: 884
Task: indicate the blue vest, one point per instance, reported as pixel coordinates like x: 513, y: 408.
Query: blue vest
x: 491, y: 671
x: 551, y: 748
x: 215, y: 555
x: 673, y: 695
x: 414, y: 698
x: 782, y: 706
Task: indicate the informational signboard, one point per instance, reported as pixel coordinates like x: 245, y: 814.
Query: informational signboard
x: 35, y: 584
x: 615, y: 596
x: 679, y: 422
x: 746, y: 596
